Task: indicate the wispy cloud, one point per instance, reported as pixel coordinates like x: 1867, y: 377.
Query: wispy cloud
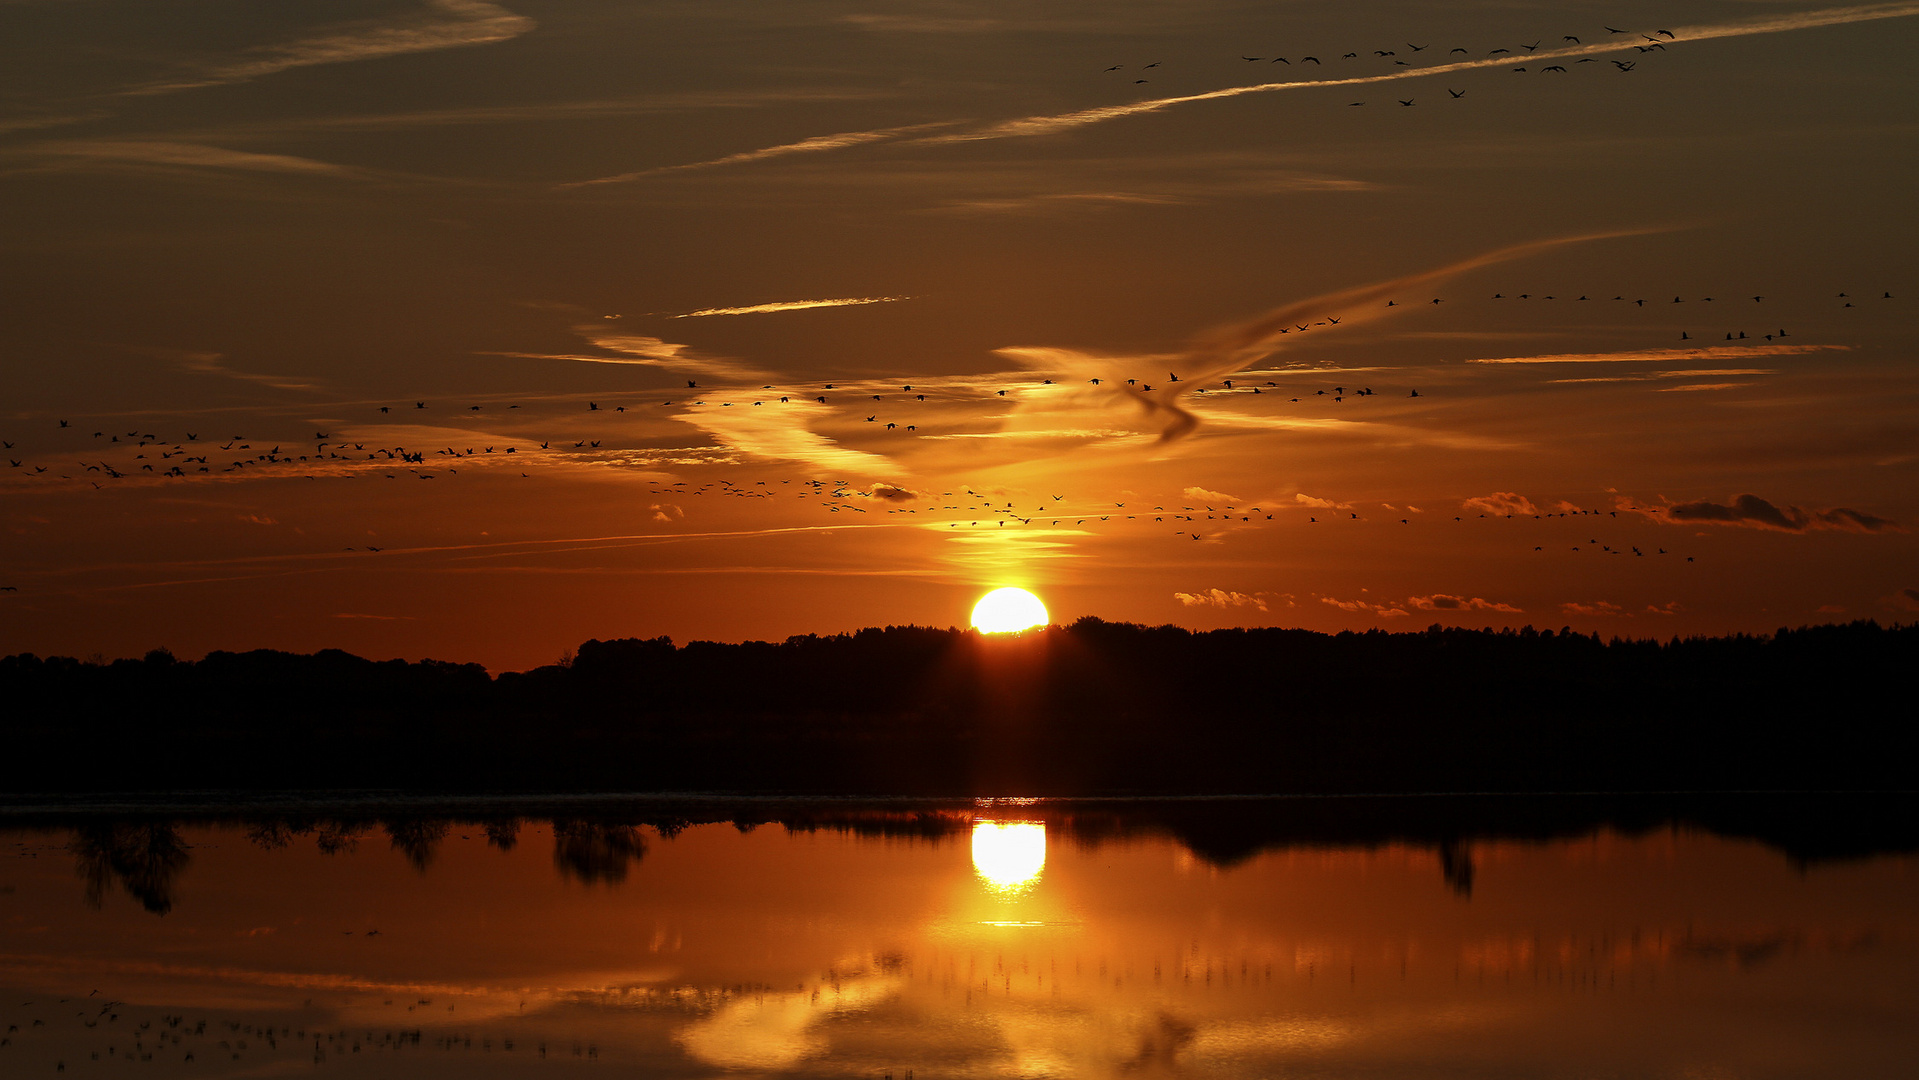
x: 35, y: 123
x: 210, y: 363
x: 644, y: 351
x: 792, y: 305
x: 921, y: 24
x: 1655, y: 376
x: 182, y: 155
x: 1384, y: 611
x: 445, y: 24
x: 817, y: 144
x: 1053, y: 123
x: 546, y: 112
x: 1642, y: 356
x: 1597, y: 607
x: 781, y: 432
x: 1221, y: 598
x: 1227, y: 349
x: 1500, y: 502
x: 1447, y: 602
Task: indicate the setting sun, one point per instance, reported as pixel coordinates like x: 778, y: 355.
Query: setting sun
x: 1003, y: 611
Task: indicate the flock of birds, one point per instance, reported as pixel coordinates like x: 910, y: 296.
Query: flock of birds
x: 147, y: 454
x: 164, y: 1037
x: 1411, y: 59
x: 138, y: 454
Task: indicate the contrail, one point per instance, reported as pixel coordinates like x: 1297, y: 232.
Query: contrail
x: 792, y: 305
x: 1227, y: 349
x: 805, y: 146
x: 1048, y: 124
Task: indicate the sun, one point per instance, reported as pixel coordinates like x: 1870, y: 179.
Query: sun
x: 1003, y: 611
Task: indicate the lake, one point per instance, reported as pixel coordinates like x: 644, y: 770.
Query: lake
x: 1000, y: 938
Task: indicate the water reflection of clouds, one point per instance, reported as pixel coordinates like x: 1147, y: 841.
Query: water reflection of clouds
x: 778, y: 1030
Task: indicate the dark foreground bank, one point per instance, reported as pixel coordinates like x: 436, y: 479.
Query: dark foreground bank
x: 1092, y: 708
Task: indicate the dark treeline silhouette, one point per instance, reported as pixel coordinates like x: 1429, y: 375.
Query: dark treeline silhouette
x: 598, y: 841
x: 1091, y: 708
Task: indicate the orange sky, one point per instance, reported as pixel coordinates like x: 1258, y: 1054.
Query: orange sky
x: 235, y: 231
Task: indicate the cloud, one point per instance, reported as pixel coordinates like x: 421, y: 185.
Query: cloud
x: 1304, y: 499
x: 647, y: 351
x: 1216, y: 496
x: 665, y: 511
x: 1642, y: 356
x: 1220, y: 352
x: 681, y: 101
x: 792, y: 305
x: 1751, y: 511
x: 445, y: 24
x: 1653, y: 376
x: 1220, y: 598
x: 920, y: 24
x: 1500, y: 502
x: 780, y: 431
x: 1055, y: 200
x: 1384, y: 611
x: 1597, y: 607
x: 209, y: 363
x: 185, y: 155
x: 1446, y: 602
x: 893, y: 493
x: 1904, y: 600
x: 817, y: 144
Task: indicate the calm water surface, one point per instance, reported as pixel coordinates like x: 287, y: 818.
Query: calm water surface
x: 991, y: 942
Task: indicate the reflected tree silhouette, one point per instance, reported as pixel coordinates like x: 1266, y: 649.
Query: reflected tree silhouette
x: 275, y: 833
x: 503, y: 834
x: 1456, y: 866
x: 338, y: 837
x: 144, y: 858
x: 595, y: 853
x: 417, y: 839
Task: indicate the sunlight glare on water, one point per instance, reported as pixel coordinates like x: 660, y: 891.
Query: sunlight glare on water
x: 1009, y: 856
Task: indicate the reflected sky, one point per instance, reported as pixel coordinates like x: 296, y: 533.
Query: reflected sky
x: 983, y: 951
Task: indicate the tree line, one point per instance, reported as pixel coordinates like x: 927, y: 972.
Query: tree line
x: 1090, y: 708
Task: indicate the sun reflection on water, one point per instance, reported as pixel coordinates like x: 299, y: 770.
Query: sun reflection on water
x: 1009, y: 856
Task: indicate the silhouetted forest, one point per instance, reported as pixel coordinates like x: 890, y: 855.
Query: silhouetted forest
x: 1090, y: 708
